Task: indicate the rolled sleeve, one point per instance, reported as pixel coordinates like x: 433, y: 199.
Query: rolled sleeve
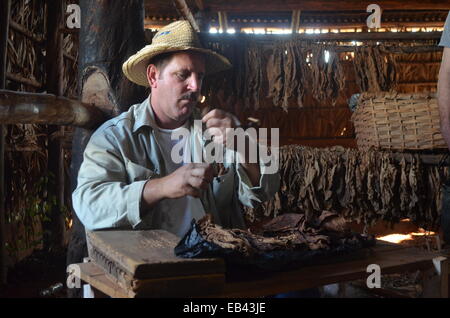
x: 134, y: 201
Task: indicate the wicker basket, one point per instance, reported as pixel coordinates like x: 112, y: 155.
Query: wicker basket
x: 398, y: 121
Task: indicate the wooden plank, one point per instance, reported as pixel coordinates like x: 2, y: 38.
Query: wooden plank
x: 30, y: 108
x: 95, y: 276
x: 320, y: 5
x: 180, y: 286
x: 184, y: 286
x: 145, y: 255
x: 392, y: 261
x: 344, y: 36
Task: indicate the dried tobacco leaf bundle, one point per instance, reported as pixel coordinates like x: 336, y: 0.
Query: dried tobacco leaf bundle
x: 287, y: 240
x: 362, y: 185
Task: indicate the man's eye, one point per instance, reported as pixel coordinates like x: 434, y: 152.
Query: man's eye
x: 182, y: 76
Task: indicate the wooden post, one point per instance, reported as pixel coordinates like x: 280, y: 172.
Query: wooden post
x: 295, y: 24
x: 5, y: 7
x: 55, y: 227
x: 111, y: 31
x: 184, y: 10
x: 223, y: 21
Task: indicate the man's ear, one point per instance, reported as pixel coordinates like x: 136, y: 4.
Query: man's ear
x: 152, y: 75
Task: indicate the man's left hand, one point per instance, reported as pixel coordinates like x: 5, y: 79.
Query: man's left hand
x: 217, y: 121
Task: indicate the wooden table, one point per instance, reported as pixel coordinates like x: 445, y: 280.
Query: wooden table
x: 390, y: 258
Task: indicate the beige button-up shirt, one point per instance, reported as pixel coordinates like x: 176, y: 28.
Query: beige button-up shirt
x: 123, y: 154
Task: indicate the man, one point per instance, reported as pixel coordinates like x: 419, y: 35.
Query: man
x: 129, y: 177
x: 444, y: 110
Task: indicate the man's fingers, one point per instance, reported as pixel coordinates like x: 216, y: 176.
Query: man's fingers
x: 216, y: 134
x: 193, y: 192
x: 204, y: 172
x: 212, y: 114
x: 198, y: 183
x: 214, y: 122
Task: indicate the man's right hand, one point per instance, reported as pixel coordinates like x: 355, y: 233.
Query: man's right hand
x: 189, y: 179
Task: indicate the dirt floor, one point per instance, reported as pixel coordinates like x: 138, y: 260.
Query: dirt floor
x: 34, y: 276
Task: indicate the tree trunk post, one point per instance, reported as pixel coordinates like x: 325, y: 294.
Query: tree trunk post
x: 111, y: 31
x: 54, y: 229
x: 5, y: 11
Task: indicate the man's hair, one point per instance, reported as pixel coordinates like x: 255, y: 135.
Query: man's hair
x: 161, y: 61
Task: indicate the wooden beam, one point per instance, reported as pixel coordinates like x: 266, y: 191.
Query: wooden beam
x: 31, y: 108
x: 295, y: 24
x: 184, y: 10
x: 223, y: 21
x: 240, y: 24
x: 5, y: 12
x: 320, y: 5
x: 200, y: 5
x: 346, y: 36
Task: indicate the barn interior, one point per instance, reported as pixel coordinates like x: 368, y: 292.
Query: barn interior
x: 349, y: 87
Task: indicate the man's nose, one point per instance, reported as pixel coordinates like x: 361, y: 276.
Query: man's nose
x: 195, y: 83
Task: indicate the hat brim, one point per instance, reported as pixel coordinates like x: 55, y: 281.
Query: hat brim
x: 135, y: 68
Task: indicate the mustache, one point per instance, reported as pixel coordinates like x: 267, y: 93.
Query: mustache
x: 192, y: 96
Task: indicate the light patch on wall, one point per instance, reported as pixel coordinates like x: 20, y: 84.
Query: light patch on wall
x: 326, y: 56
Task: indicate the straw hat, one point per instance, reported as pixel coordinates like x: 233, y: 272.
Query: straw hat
x: 177, y: 36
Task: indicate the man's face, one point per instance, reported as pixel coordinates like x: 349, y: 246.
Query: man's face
x: 176, y: 88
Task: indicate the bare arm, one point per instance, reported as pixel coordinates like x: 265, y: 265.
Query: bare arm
x: 444, y: 95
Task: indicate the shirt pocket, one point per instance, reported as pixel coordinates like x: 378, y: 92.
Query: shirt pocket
x: 137, y: 172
